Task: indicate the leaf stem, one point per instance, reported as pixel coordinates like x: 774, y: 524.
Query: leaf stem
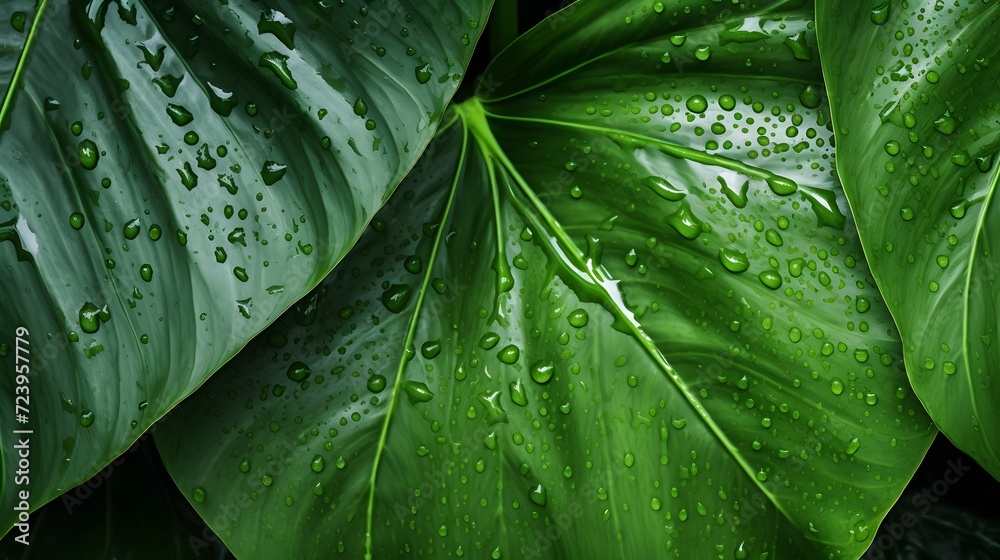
x: 21, y: 62
x: 408, y: 344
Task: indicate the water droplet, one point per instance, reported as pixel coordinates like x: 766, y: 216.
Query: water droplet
x: 88, y: 154
x: 396, y: 297
x: 579, y: 318
x: 180, y: 115
x: 685, y: 223
x: 770, y: 278
x: 735, y: 261
x: 538, y: 495
x: 945, y: 124
x: 188, y: 177
x: 90, y: 318
x: 542, y: 371
x: 17, y: 21
x: 277, y: 63
x: 131, y: 228
x: 360, y: 107
x: 376, y: 383
x: 276, y: 23
x: 491, y: 402
x: 223, y: 102
x: 298, y: 372
x: 663, y: 188
x: 509, y: 354
x: 417, y: 391
x: 810, y: 97
x: 837, y: 386
x: 423, y: 73
x: 697, y: 104
x: 880, y: 14
x: 518, y: 394
x: 272, y: 172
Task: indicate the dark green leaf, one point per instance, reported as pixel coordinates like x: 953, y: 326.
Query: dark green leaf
x: 916, y: 104
x: 174, y: 175
x: 590, y: 325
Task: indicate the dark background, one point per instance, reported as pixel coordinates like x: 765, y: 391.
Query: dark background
x: 133, y: 511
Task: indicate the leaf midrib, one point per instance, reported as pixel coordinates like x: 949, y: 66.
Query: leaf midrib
x: 410, y: 334
x: 22, y: 61
x: 675, y: 150
x: 473, y: 111
x: 973, y: 252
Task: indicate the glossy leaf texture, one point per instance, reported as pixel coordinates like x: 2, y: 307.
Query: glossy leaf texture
x: 174, y: 176
x: 619, y: 313
x: 915, y: 108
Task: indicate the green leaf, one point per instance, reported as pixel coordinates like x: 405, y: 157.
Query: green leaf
x: 916, y: 99
x: 588, y: 325
x: 174, y: 176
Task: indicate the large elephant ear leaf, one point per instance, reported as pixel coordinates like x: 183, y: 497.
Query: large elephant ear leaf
x: 619, y: 311
x: 916, y: 108
x: 174, y: 175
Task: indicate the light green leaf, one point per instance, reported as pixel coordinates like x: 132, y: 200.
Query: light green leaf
x: 916, y: 112
x: 174, y: 175
x: 589, y: 325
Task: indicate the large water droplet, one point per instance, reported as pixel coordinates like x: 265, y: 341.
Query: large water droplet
x: 396, y: 296
x: 734, y: 260
x: 88, y: 153
x: 90, y: 318
x: 538, y: 495
x: 423, y: 73
x: 180, y: 115
x: 663, y: 188
x: 298, y: 372
x: 277, y: 63
x: 417, y: 391
x: 880, y: 13
x: 542, y: 371
x: 272, y: 172
x: 277, y: 24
